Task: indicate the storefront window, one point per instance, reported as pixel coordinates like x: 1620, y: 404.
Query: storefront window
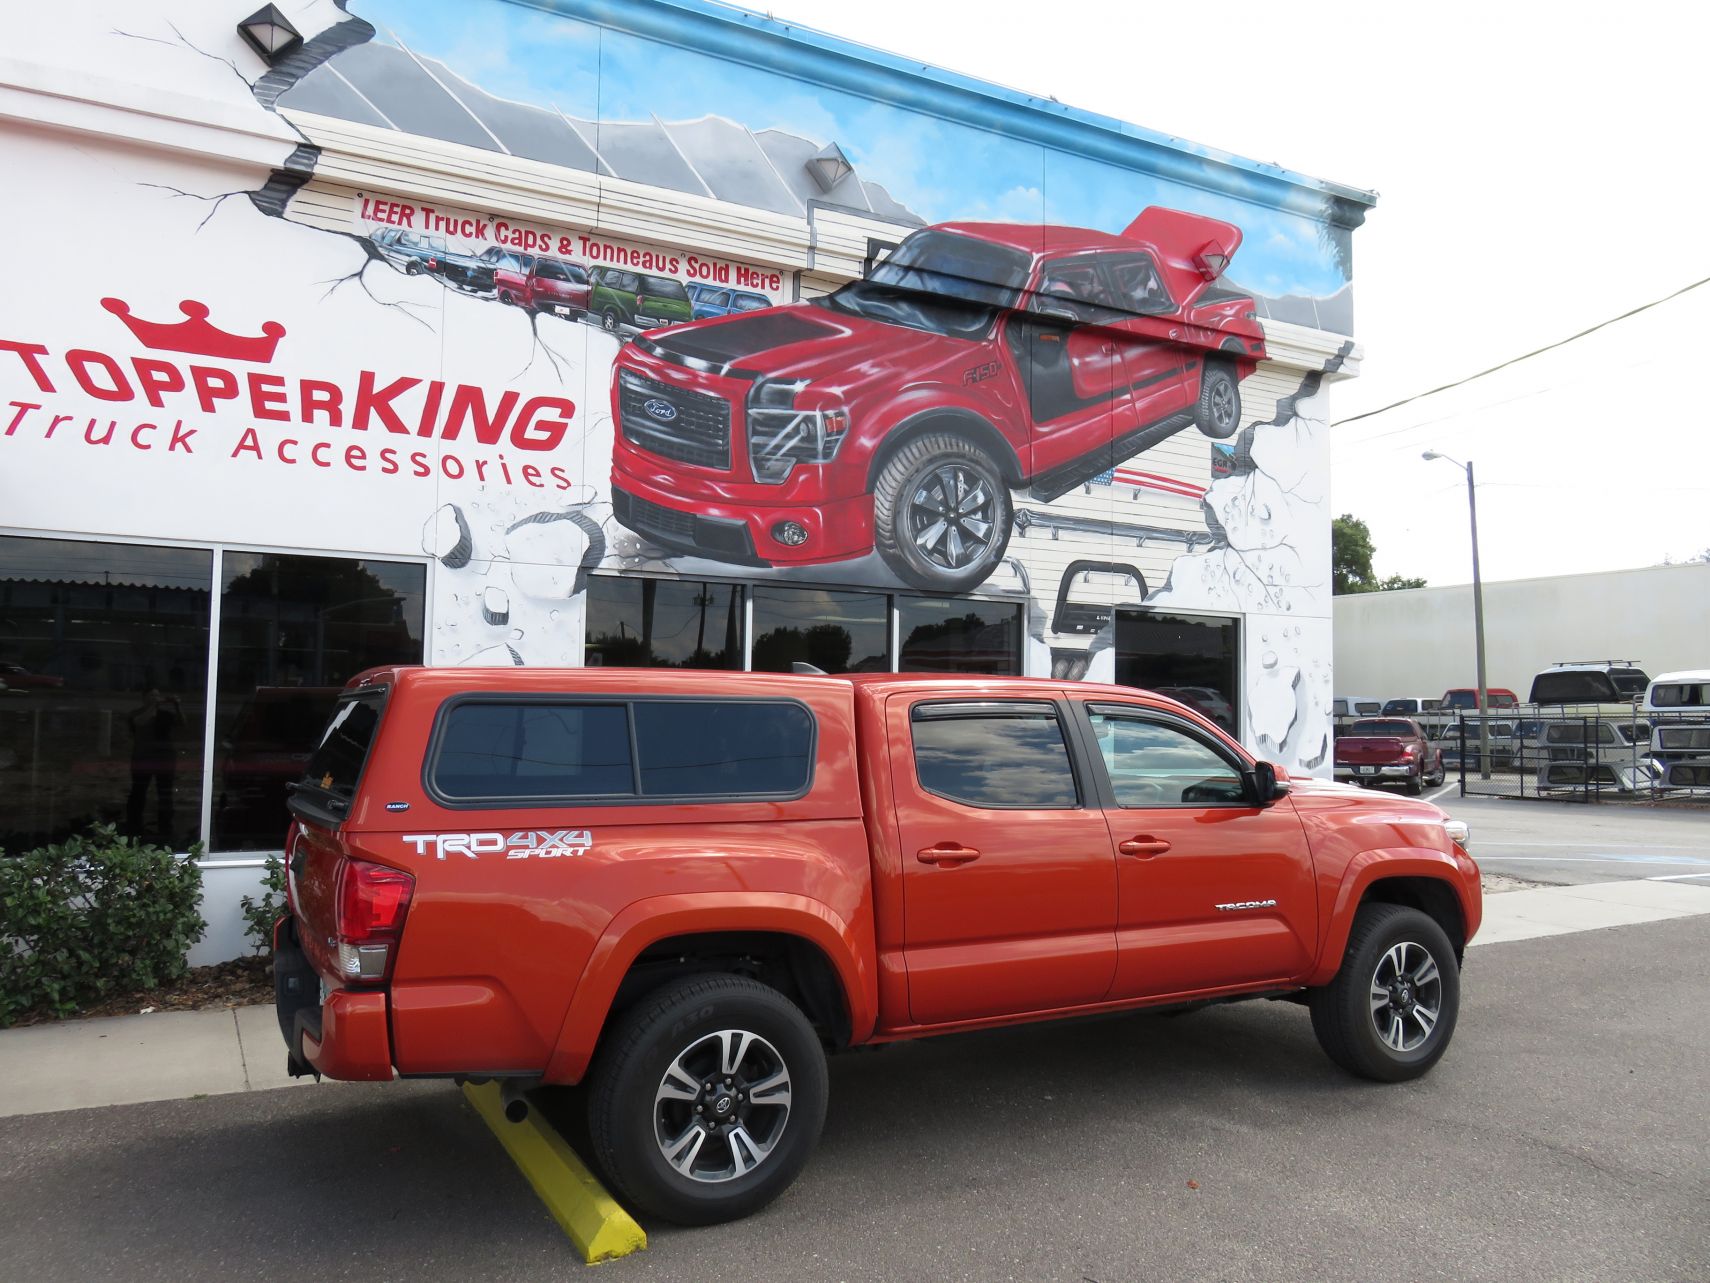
x: 663, y: 623
x: 840, y: 632
x: 1191, y: 658
x: 951, y: 636
x: 293, y: 630
x: 103, y: 681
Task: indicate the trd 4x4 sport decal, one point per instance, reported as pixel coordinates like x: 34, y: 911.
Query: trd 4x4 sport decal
x: 540, y: 843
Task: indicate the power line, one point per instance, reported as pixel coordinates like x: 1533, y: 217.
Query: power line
x: 1525, y: 356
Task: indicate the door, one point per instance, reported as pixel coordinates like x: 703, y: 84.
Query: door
x: 1150, y: 337
x: 1213, y: 891
x: 1009, y: 883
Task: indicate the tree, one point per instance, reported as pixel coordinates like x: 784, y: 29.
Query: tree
x: 1351, y: 560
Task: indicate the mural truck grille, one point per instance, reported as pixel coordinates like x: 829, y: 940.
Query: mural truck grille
x: 675, y: 423
x: 661, y: 520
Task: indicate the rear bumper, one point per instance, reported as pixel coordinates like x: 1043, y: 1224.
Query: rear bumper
x: 1376, y: 772
x: 343, y: 1034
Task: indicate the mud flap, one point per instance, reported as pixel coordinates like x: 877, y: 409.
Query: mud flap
x: 296, y: 995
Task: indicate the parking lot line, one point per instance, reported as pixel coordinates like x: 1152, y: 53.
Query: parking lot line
x: 1439, y: 793
x: 601, y: 1230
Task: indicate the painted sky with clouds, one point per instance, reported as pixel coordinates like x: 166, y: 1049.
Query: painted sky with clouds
x: 941, y: 170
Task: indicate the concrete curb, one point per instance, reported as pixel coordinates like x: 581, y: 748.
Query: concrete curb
x: 1587, y: 906
x: 600, y: 1229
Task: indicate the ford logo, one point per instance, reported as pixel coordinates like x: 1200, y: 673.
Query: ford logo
x: 660, y: 409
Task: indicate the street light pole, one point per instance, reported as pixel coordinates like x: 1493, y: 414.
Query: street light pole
x: 1478, y: 618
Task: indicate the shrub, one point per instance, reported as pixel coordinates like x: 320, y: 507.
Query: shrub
x: 94, y: 915
x: 263, y: 913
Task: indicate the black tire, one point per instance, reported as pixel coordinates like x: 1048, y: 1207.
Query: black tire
x: 609, y: 320
x: 914, y: 479
x: 628, y: 1117
x: 1217, y: 413
x: 1342, y: 1013
x: 1442, y: 772
x: 1416, y: 783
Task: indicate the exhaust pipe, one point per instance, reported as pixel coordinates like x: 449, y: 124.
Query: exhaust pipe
x: 515, y: 1103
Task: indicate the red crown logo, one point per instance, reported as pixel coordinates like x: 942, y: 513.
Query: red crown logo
x: 196, y: 336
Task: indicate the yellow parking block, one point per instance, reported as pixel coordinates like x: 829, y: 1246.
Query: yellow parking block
x: 601, y: 1230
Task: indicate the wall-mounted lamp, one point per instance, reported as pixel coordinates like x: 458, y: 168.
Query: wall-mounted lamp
x: 270, y: 34
x: 829, y: 167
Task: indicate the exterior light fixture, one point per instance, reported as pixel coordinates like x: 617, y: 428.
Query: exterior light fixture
x: 270, y: 34
x: 829, y: 167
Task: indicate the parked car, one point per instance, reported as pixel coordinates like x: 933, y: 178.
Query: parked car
x: 1205, y: 701
x: 558, y: 287
x: 17, y: 677
x: 1465, y: 699
x: 720, y: 300
x: 510, y: 270
x: 1389, y: 750
x: 636, y: 301
x: 681, y: 888
x: 410, y: 252
x: 898, y: 413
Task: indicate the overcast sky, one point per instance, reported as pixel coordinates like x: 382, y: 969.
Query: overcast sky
x: 1536, y: 175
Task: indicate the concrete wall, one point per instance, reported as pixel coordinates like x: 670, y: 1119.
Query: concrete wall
x: 1420, y: 641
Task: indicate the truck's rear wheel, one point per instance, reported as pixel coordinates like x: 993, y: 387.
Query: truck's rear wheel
x: 1217, y: 413
x: 941, y: 514
x: 1390, y: 1012
x: 707, y: 1099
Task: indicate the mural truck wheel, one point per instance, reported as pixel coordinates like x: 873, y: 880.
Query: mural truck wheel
x: 1218, y: 410
x: 941, y: 514
x: 609, y: 321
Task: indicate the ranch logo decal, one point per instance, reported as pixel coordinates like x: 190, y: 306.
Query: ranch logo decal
x: 539, y: 843
x: 371, y: 427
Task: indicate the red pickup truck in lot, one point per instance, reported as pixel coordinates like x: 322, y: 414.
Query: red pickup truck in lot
x: 684, y: 888
x: 1389, y: 750
x: 899, y: 412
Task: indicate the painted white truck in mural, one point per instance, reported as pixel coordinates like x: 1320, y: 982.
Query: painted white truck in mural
x: 900, y: 411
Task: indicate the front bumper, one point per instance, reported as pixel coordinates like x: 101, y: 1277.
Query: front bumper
x: 339, y: 1033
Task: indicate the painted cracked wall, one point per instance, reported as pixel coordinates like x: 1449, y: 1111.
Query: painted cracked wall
x: 442, y: 384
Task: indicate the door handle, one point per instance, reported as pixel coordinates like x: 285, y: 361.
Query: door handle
x: 1143, y: 847
x: 947, y: 855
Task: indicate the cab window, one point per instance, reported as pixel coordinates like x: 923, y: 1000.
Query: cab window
x: 996, y: 756
x: 1157, y: 764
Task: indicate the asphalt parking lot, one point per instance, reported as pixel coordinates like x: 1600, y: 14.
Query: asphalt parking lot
x: 1570, y: 842
x: 1563, y: 1137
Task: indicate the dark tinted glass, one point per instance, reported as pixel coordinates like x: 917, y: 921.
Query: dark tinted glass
x: 1380, y: 727
x: 1151, y: 764
x: 1584, y: 687
x: 534, y: 750
x: 694, y: 748
x: 1401, y: 706
x: 959, y: 636
x: 663, y: 623
x: 1190, y: 658
x: 1010, y: 761
x: 664, y: 287
x: 103, y: 680
x: 840, y: 632
x: 550, y: 270
x: 337, y: 761
x: 293, y: 631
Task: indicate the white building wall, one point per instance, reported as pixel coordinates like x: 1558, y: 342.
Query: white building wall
x: 1420, y: 641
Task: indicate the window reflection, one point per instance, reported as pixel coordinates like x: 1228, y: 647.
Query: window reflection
x: 663, y: 623
x: 1186, y: 657
x: 1009, y: 761
x: 1151, y: 764
x: 959, y: 636
x: 103, y: 677
x: 840, y: 632
x: 293, y: 630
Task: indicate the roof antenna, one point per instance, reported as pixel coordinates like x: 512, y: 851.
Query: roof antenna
x: 801, y: 669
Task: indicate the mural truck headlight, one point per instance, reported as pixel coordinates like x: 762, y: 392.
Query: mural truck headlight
x: 782, y: 434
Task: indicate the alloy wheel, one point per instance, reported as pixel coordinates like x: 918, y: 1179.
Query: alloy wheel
x: 1406, y: 996
x: 950, y: 516
x: 722, y: 1106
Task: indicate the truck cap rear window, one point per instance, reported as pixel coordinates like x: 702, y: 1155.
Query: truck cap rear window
x: 335, y: 767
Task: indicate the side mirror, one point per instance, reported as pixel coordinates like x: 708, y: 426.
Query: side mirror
x: 1270, y: 782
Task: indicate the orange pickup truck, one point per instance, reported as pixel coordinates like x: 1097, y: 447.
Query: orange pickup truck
x: 684, y: 889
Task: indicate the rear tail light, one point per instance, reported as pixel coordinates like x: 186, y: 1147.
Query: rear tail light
x: 373, y: 901
x: 1409, y: 752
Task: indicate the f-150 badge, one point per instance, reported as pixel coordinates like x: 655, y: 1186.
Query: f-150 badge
x: 542, y: 844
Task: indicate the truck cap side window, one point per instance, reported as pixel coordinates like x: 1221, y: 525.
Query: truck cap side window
x: 335, y: 767
x: 1155, y: 764
x: 998, y: 756
x: 555, y: 751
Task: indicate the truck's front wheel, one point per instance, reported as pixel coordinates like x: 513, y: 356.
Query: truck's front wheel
x: 1390, y: 1012
x: 1217, y: 413
x: 941, y: 514
x: 707, y: 1099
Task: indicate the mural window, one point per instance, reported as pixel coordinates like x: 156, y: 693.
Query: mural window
x: 947, y: 635
x: 103, y: 689
x: 663, y: 623
x: 1191, y: 658
x: 840, y: 632
x: 293, y: 630
x: 1138, y: 287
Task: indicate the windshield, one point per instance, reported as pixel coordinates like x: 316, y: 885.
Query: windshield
x: 940, y: 282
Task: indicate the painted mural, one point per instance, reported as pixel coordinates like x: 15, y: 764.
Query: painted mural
x: 1050, y: 381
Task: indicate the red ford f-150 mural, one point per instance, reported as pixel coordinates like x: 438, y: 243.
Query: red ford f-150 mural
x: 684, y: 888
x: 900, y: 412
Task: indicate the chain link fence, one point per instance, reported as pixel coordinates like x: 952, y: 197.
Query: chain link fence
x: 1570, y: 755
